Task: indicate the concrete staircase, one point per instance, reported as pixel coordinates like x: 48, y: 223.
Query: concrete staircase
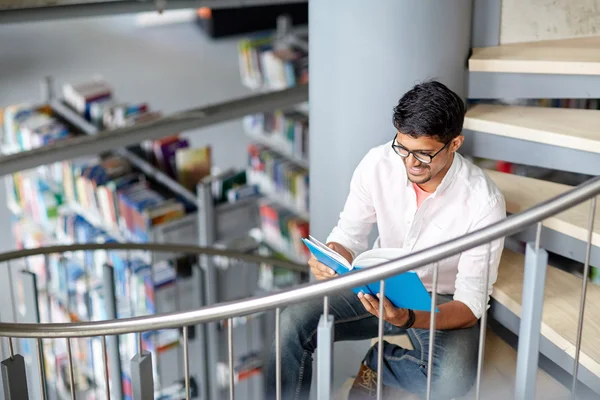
x: 555, y: 138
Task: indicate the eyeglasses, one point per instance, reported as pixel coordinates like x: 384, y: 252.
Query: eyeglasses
x: 422, y: 157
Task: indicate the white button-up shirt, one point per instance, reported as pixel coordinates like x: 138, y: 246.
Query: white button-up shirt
x: 465, y: 200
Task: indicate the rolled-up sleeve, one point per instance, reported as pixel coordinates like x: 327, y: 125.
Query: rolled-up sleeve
x: 469, y: 285
x: 358, y: 216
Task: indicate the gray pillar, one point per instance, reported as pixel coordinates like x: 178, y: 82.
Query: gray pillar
x: 363, y: 57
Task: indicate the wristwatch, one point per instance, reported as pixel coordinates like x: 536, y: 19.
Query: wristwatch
x: 411, y: 320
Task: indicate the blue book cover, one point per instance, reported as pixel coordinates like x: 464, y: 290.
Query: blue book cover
x: 335, y: 262
x: 405, y: 290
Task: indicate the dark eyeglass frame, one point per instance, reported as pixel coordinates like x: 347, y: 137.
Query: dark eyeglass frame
x: 424, y: 158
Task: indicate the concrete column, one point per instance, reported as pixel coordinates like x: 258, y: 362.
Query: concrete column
x: 364, y: 55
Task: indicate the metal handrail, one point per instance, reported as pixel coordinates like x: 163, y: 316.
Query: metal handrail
x: 154, y: 247
x: 221, y: 311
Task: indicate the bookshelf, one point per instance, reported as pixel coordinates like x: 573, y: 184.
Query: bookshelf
x: 58, y: 212
x: 87, y: 128
x: 250, y: 211
x: 74, y: 287
x: 236, y: 225
x: 278, y: 147
x: 278, y: 157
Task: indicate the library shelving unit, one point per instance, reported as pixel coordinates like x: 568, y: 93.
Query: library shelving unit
x: 262, y: 217
x: 99, y: 285
x: 81, y: 201
x: 235, y: 226
x: 278, y: 156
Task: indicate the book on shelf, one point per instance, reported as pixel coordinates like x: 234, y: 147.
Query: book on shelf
x: 283, y: 231
x: 284, y: 131
x: 94, y: 184
x: 264, y: 63
x: 276, y: 175
x: 81, y: 95
x: 161, y: 153
x: 27, y: 127
x: 121, y: 198
x: 230, y: 185
x: 405, y: 290
x: 193, y: 165
x: 246, y: 366
x: 165, y: 151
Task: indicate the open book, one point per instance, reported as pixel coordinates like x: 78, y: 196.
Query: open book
x: 404, y: 290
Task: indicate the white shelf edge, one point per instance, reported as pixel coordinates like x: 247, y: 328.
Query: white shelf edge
x: 278, y: 148
x: 276, y: 197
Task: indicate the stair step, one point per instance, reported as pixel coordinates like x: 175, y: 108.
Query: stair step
x: 579, y: 56
x: 561, y: 307
x: 564, y: 127
x: 498, y: 377
x: 522, y: 193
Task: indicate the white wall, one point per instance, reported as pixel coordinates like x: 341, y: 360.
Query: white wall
x: 533, y: 20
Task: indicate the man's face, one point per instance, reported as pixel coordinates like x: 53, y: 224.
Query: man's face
x: 417, y: 171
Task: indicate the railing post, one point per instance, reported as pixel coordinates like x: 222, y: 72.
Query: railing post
x: 31, y: 314
x: 536, y: 261
x: 584, y: 282
x: 142, y: 379
x: 114, y: 358
x: 325, y: 353
x: 14, y: 378
x: 206, y: 237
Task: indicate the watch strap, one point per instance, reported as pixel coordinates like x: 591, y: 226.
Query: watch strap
x: 411, y: 320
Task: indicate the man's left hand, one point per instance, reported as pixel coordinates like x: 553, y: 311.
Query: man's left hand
x: 393, y: 315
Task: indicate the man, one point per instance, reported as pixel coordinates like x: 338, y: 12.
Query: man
x: 420, y: 192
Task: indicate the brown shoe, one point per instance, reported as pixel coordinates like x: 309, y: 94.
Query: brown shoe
x: 365, y: 384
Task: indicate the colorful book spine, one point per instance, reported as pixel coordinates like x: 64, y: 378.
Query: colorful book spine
x: 277, y: 176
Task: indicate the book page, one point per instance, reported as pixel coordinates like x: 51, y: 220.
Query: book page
x: 378, y: 256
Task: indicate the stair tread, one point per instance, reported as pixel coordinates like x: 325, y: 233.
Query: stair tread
x: 498, y: 377
x: 522, y: 193
x: 561, y: 304
x: 578, y: 56
x: 565, y: 127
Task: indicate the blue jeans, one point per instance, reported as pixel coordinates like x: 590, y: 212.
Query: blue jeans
x: 455, y: 354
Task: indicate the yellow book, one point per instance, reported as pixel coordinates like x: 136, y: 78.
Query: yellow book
x: 193, y: 164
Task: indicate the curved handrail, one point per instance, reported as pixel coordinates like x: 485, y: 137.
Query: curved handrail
x: 508, y: 226
x: 154, y: 247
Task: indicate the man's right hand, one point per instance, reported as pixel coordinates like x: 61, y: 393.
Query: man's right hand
x: 322, y: 271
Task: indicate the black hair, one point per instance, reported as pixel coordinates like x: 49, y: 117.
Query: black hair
x: 430, y: 109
